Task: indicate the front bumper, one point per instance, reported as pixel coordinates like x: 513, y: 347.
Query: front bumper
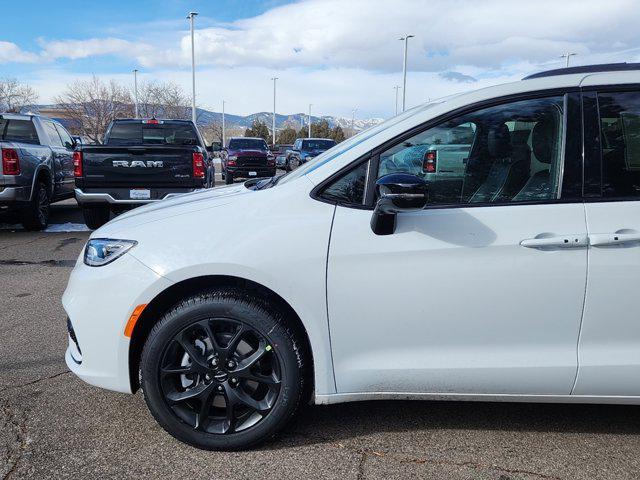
x: 118, y: 197
x: 98, y: 302
x: 244, y: 172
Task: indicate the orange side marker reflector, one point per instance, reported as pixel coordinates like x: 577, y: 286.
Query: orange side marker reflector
x: 131, y: 323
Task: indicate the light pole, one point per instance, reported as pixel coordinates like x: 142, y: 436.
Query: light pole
x: 135, y: 91
x: 567, y: 56
x: 223, y: 136
x: 396, y: 88
x: 404, y: 70
x: 353, y: 121
x: 309, y: 135
x: 274, y: 110
x: 191, y: 17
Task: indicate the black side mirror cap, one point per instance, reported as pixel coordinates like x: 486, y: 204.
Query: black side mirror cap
x: 397, y: 192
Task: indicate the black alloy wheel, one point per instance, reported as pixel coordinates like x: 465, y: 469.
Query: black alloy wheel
x: 214, y: 378
x: 220, y: 376
x: 35, y: 216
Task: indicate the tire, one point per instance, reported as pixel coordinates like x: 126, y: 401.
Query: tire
x: 169, y: 373
x: 35, y: 216
x: 95, y: 217
x: 228, y: 179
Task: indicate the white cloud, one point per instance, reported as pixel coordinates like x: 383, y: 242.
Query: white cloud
x: 74, y: 49
x: 363, y: 34
x: 341, y: 54
x: 10, y: 52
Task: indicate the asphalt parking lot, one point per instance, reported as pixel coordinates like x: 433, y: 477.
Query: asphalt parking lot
x: 52, y: 425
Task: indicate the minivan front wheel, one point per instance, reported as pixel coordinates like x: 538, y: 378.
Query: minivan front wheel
x: 221, y: 371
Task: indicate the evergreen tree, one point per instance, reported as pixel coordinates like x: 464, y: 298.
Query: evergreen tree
x: 337, y: 134
x: 258, y: 129
x: 286, y: 136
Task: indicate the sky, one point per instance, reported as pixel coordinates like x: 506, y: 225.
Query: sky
x: 338, y: 55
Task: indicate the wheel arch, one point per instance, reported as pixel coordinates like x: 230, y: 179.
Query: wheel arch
x: 42, y: 172
x: 171, y: 295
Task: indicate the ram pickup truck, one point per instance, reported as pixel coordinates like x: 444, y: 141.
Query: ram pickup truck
x: 37, y: 167
x: 247, y: 157
x: 139, y: 162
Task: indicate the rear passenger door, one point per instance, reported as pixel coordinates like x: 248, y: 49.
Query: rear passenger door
x: 609, y: 346
x: 62, y: 161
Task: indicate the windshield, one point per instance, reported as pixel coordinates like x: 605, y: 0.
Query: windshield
x: 352, y: 142
x: 317, y: 144
x: 247, y: 143
x: 152, y: 134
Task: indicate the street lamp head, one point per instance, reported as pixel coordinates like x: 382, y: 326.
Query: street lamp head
x: 406, y: 37
x: 192, y: 14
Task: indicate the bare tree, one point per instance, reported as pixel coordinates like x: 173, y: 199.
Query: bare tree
x: 15, y: 95
x: 90, y: 106
x: 211, y: 132
x: 163, y: 100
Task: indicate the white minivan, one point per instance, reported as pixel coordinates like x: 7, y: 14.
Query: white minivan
x: 358, y: 277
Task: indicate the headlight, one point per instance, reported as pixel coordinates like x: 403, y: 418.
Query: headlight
x: 100, y: 251
x: 232, y: 157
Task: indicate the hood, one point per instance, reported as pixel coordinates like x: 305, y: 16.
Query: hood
x: 314, y: 153
x: 187, y: 203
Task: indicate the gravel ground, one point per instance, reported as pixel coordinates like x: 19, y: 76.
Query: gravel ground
x: 52, y: 425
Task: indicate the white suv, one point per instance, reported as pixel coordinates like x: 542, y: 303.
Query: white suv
x: 513, y: 281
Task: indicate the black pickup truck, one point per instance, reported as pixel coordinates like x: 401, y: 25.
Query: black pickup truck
x: 140, y: 161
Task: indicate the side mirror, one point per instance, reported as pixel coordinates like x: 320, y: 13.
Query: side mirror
x: 77, y: 140
x: 214, y: 147
x: 397, y: 192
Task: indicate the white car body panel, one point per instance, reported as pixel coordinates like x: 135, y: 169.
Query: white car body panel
x: 468, y: 310
x: 280, y: 238
x: 609, y: 341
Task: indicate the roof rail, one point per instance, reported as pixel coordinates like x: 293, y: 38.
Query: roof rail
x: 604, y: 67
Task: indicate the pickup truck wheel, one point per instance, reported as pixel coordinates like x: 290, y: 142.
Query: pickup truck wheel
x: 35, y: 216
x: 222, y: 370
x: 95, y: 217
x: 228, y: 179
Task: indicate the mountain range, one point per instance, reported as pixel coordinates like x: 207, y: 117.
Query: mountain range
x: 296, y: 120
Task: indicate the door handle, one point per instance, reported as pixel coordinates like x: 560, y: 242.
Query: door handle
x: 543, y: 241
x: 621, y: 237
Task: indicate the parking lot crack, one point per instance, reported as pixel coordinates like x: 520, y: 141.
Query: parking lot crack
x: 465, y: 464
x: 14, y: 423
x: 33, y: 382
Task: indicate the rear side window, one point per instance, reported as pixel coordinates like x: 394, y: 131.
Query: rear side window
x: 620, y: 140
x: 54, y: 137
x: 150, y: 134
x: 22, y: 131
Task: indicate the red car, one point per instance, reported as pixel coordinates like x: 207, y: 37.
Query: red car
x: 247, y: 157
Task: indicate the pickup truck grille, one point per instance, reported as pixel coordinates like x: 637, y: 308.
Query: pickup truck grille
x: 253, y: 161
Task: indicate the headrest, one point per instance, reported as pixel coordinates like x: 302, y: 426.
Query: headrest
x: 543, y: 139
x: 499, y: 141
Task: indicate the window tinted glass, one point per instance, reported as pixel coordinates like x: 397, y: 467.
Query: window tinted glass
x: 149, y: 134
x: 22, y: 131
x: 350, y: 187
x: 620, y: 139
x: 66, y: 138
x: 507, y: 153
x: 54, y: 138
x: 247, y: 143
x: 317, y: 144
